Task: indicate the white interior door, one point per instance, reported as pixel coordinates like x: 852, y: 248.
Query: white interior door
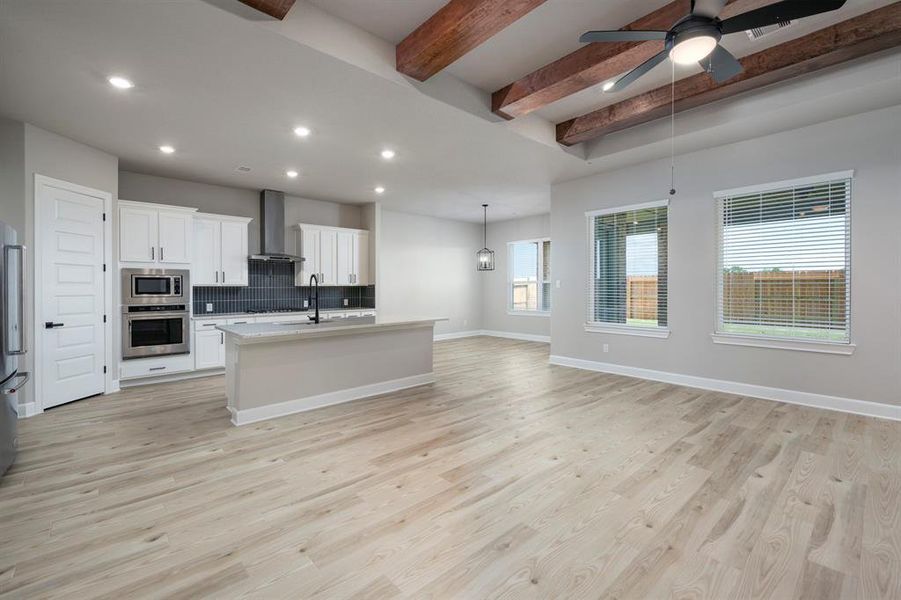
x: 175, y: 237
x: 72, y: 300
x: 234, y: 253
x: 205, y: 268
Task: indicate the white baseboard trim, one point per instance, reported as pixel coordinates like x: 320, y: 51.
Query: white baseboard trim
x: 29, y: 409
x: 511, y: 335
x: 129, y: 383
x: 262, y: 413
x: 847, y: 405
x: 440, y: 337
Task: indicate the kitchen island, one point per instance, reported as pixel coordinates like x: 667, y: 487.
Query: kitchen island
x: 276, y: 369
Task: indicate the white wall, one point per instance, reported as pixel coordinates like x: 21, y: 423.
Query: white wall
x: 225, y: 200
x: 58, y: 157
x: 494, y: 293
x: 427, y: 267
x: 867, y: 143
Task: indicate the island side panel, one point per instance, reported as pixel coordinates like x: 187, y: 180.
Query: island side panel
x: 325, y: 370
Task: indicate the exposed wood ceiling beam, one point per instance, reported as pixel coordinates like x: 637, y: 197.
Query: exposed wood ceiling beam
x: 457, y: 28
x: 593, y: 64
x: 868, y: 33
x: 273, y: 8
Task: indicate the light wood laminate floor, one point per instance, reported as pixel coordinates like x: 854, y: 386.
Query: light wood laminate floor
x: 508, y: 478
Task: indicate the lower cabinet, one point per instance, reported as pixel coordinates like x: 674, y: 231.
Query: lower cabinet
x: 209, y: 344
x: 209, y: 350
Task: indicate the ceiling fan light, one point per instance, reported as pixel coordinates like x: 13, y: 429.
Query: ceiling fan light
x: 693, y: 49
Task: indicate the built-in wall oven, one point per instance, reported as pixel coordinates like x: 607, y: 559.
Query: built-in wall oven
x: 155, y: 330
x: 156, y: 320
x: 155, y: 286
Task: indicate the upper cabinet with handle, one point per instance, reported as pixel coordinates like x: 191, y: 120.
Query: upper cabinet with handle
x: 336, y: 255
x: 155, y: 233
x: 220, y: 250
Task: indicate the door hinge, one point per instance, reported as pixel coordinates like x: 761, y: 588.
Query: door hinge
x: 104, y: 318
x: 104, y: 216
x: 104, y: 267
x: 104, y: 368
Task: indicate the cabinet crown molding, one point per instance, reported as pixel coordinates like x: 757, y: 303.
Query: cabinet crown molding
x: 214, y: 217
x: 169, y: 207
x: 299, y: 226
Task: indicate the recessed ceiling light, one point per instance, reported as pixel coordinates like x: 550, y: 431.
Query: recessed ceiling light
x: 292, y: 174
x: 120, y: 82
x: 167, y: 149
x: 608, y: 85
x: 301, y: 131
x: 379, y: 190
x: 387, y: 154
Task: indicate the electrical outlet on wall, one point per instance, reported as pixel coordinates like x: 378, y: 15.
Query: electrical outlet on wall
x: 306, y: 304
x: 209, y: 307
x: 606, y: 347
x: 345, y: 302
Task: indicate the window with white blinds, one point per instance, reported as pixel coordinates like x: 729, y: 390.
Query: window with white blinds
x: 627, y: 279
x: 784, y: 267
x: 529, y: 276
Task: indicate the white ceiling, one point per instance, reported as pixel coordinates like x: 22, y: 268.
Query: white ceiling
x: 552, y: 31
x: 227, y: 92
x: 226, y: 87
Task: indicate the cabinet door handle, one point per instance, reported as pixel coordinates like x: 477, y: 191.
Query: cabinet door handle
x: 161, y: 253
x: 152, y: 253
x: 223, y: 276
x: 221, y: 338
x: 157, y: 369
x: 217, y: 276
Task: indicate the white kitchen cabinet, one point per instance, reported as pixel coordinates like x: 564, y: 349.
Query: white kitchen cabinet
x: 220, y: 243
x: 209, y: 351
x: 337, y: 256
x: 155, y: 234
x: 318, y: 246
x: 361, y: 258
x: 175, y: 237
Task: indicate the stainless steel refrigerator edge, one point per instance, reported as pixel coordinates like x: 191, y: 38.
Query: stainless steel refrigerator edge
x: 12, y: 306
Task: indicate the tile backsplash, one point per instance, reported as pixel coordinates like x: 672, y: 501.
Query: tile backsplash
x: 272, y: 288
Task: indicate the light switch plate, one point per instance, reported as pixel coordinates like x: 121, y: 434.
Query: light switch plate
x: 209, y: 307
x: 306, y: 304
x: 558, y: 284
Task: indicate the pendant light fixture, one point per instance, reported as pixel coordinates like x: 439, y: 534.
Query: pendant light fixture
x: 485, y: 256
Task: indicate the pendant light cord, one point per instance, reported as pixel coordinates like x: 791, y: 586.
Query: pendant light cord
x: 672, y: 137
x: 484, y: 225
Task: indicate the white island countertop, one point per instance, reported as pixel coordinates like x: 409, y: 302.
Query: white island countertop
x: 255, y: 333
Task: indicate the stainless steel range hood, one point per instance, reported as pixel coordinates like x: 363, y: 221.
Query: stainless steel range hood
x: 272, y: 229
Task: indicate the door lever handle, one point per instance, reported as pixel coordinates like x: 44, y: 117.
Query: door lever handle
x: 51, y: 325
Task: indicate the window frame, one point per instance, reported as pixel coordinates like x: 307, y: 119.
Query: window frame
x: 527, y: 313
x: 617, y: 328
x: 719, y: 335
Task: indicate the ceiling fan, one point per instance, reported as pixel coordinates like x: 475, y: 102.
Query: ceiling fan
x: 696, y: 37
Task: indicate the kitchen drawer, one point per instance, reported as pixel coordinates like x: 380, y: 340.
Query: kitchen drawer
x: 367, y: 313
x: 150, y: 367
x: 209, y: 324
x: 242, y: 320
x: 353, y: 313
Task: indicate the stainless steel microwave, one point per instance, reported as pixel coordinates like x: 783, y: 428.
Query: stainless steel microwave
x: 155, y: 286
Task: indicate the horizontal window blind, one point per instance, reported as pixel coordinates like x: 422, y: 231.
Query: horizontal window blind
x: 627, y: 281
x: 785, y: 262
x: 529, y: 275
